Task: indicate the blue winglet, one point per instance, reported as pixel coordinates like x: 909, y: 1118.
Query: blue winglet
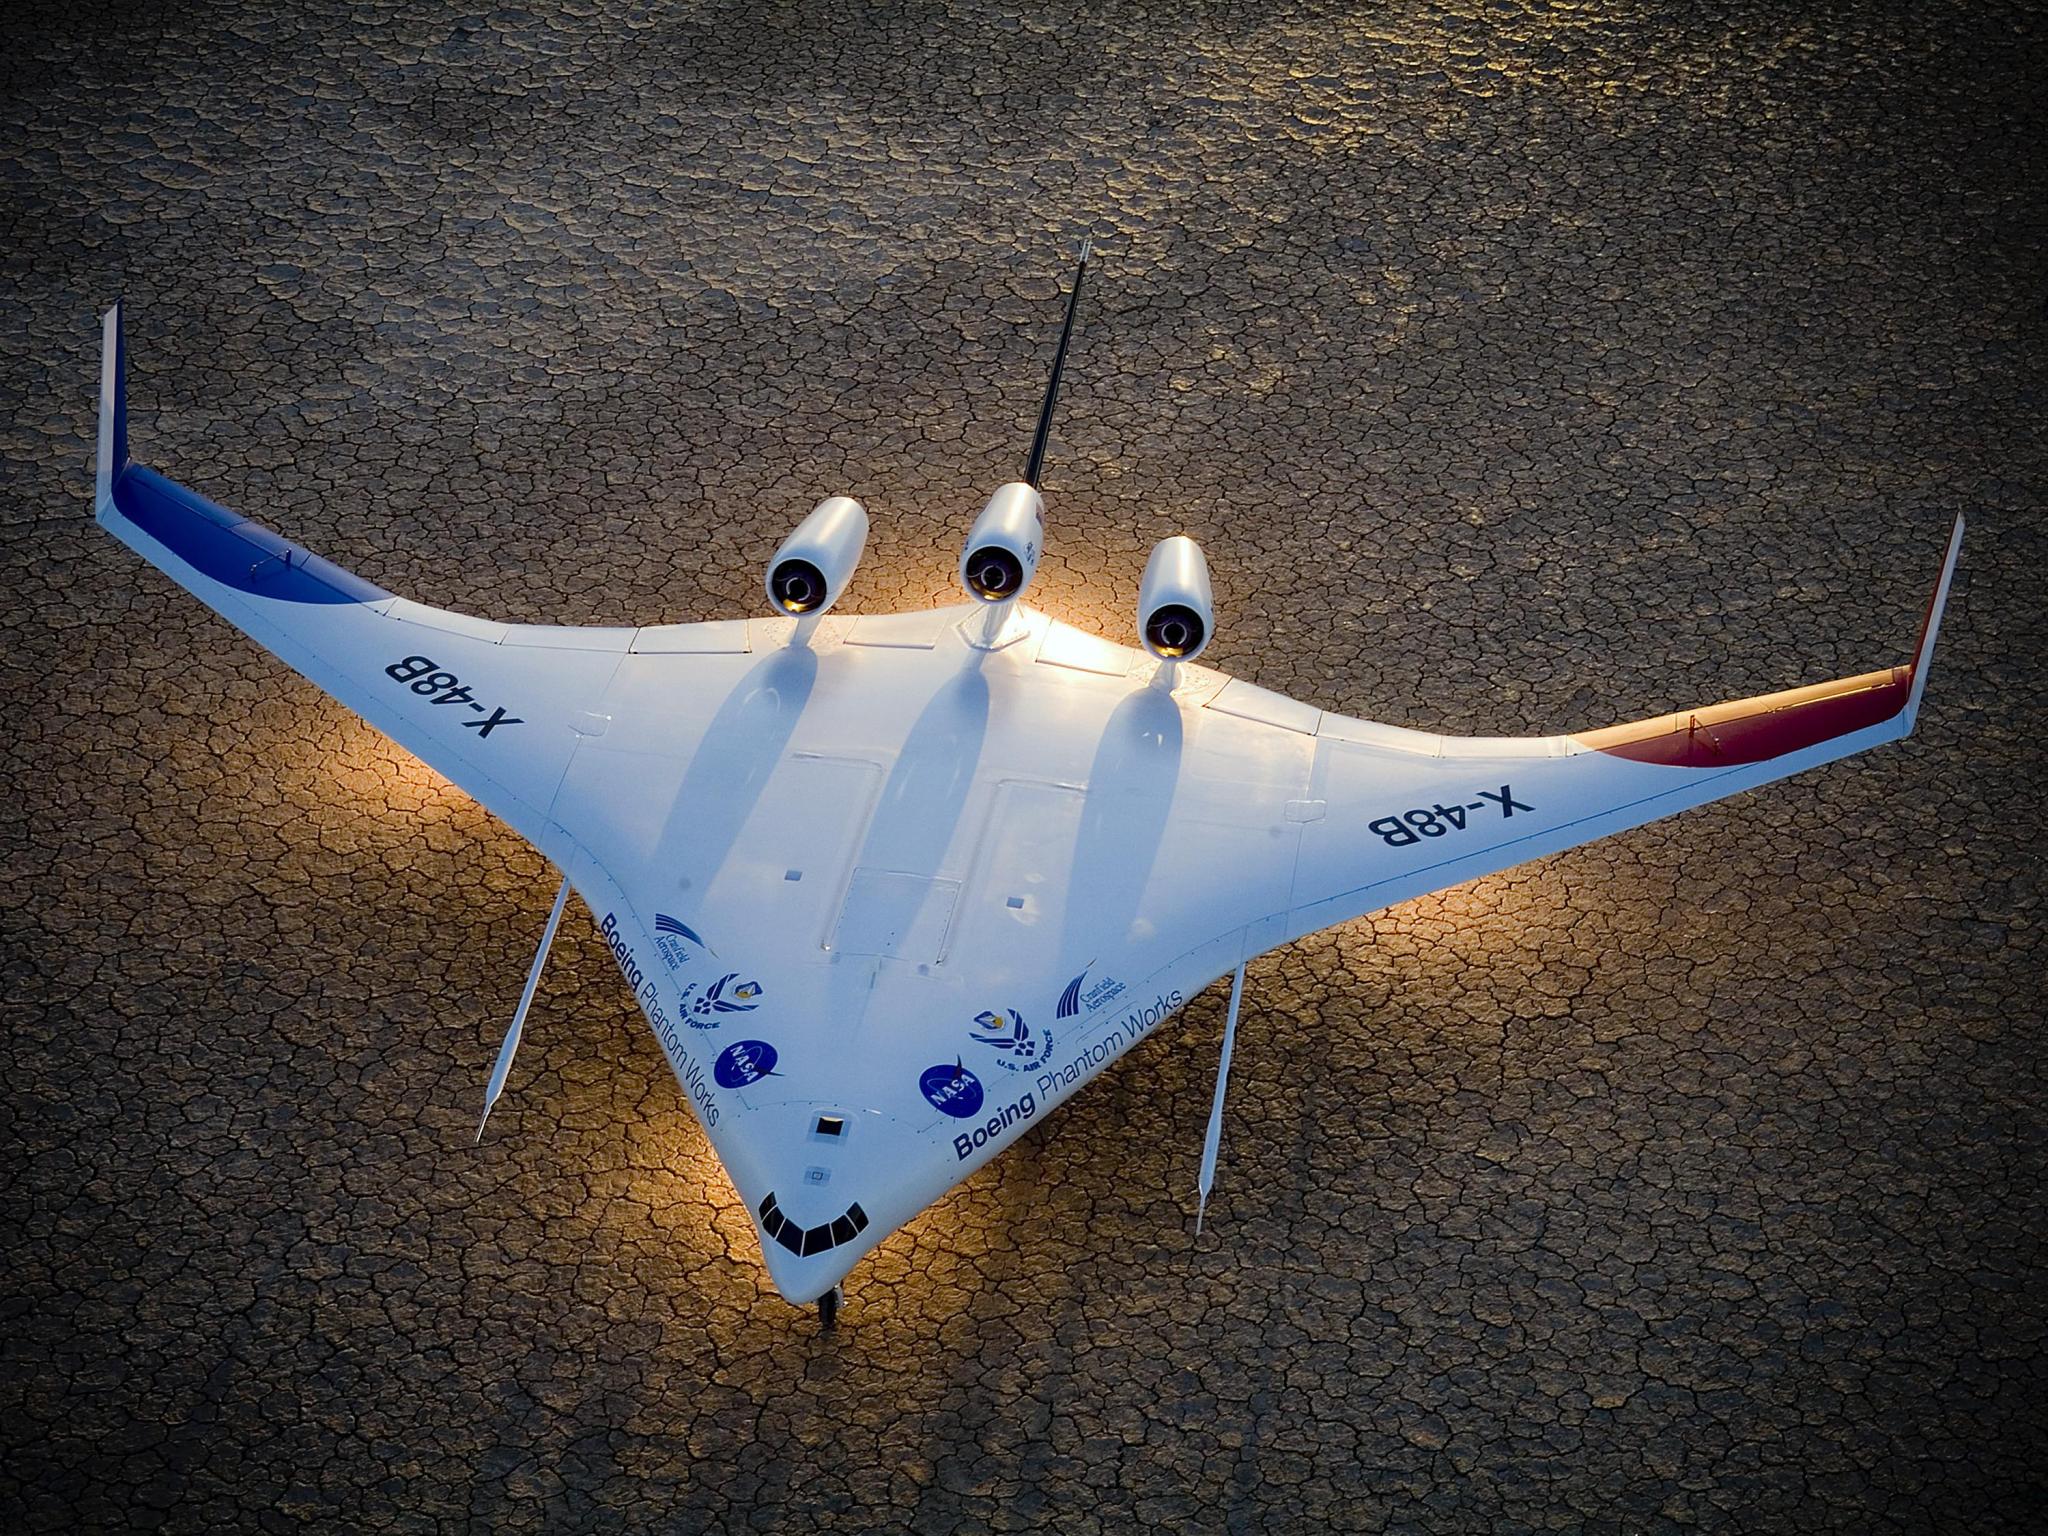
x: 113, y: 441
x: 223, y: 546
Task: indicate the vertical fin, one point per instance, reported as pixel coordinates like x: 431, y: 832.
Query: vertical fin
x: 510, y: 1048
x: 113, y: 437
x: 1035, y: 465
x: 1213, y: 1142
x: 1923, y: 655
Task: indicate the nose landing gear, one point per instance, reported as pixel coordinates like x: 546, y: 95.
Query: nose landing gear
x: 828, y: 1310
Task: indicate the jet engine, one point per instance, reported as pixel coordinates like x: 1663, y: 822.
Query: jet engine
x: 1001, y: 553
x: 815, y: 562
x: 1176, y: 612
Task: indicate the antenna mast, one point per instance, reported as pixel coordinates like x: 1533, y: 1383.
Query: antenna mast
x: 1035, y: 465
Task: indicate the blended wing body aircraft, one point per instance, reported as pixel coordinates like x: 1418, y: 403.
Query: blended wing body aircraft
x: 889, y: 888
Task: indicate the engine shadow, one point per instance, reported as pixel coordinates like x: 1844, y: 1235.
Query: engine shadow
x: 1131, y: 786
x: 922, y: 800
x: 735, y: 760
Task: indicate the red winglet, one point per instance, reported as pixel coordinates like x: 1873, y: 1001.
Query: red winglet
x: 1773, y: 724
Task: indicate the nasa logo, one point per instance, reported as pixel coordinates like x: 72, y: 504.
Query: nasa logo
x: 744, y: 1062
x: 1005, y: 1029
x: 952, y: 1090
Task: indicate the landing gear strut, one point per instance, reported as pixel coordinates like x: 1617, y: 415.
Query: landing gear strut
x: 828, y: 1309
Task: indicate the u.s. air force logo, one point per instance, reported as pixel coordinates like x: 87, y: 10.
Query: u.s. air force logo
x: 1004, y: 1028
x: 728, y: 994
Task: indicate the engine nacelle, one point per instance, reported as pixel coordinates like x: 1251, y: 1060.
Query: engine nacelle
x: 1176, y: 611
x: 1002, y: 549
x: 814, y: 564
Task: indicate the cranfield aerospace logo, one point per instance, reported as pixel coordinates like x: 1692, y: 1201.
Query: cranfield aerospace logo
x: 721, y: 997
x: 744, y: 1063
x: 1074, y: 999
x: 952, y: 1090
x: 1005, y: 1029
x: 673, y: 938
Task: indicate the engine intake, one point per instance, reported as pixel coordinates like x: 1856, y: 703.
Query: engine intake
x: 1176, y: 610
x: 1001, y: 553
x: 815, y: 562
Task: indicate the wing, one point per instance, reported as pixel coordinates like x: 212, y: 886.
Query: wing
x: 495, y: 708
x: 1400, y: 814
